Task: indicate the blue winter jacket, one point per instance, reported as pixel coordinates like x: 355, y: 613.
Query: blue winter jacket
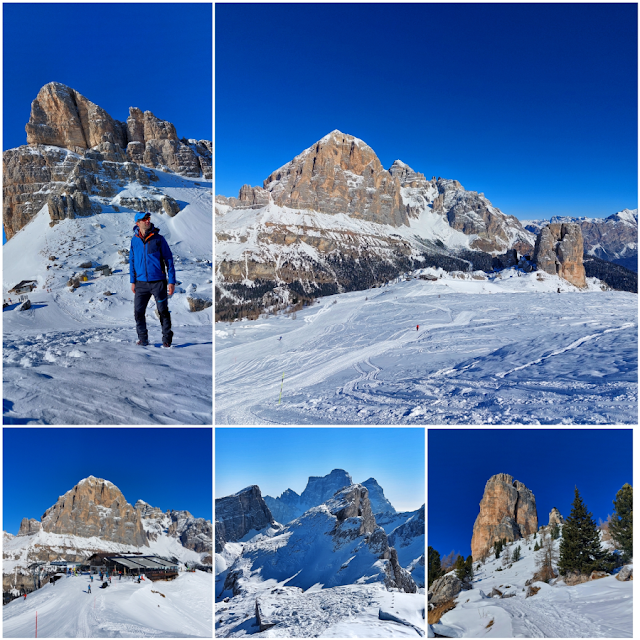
x: 150, y: 259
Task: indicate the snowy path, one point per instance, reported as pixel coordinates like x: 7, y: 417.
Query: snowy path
x: 534, y: 358
x: 125, y: 609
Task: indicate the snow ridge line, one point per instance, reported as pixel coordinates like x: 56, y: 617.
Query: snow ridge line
x: 573, y: 345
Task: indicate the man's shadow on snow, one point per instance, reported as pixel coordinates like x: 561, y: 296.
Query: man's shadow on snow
x: 189, y: 344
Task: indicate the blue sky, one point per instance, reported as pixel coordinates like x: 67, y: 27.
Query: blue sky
x: 168, y: 468
x: 533, y: 104
x: 550, y: 462
x: 277, y: 459
x: 152, y: 56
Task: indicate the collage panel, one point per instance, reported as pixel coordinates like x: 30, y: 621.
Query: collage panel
x: 107, y: 254
x: 410, y: 227
x: 498, y: 564
x: 110, y: 537
x: 320, y: 532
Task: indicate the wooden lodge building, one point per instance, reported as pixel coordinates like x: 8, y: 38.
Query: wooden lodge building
x: 153, y: 567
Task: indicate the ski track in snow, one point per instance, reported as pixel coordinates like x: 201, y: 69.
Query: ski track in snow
x: 534, y: 358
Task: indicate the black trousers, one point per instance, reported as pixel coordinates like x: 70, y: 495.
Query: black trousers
x: 144, y: 291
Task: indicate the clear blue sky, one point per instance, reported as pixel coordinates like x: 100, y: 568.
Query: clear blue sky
x: 168, y: 468
x: 533, y: 104
x: 277, y: 459
x: 550, y: 462
x: 154, y: 56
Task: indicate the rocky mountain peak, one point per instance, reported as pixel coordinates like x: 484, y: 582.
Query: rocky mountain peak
x: 240, y: 513
x: 379, y: 503
x: 407, y: 176
x: 555, y: 517
x: 321, y: 488
x: 96, y: 507
x: 507, y: 510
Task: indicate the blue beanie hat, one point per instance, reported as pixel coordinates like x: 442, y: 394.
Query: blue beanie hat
x: 142, y: 215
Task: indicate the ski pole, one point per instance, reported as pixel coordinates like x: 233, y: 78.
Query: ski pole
x: 280, y: 398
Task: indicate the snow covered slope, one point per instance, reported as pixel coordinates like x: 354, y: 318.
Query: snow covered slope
x: 599, y: 608
x: 62, y: 355
x: 503, y: 349
x: 176, y: 609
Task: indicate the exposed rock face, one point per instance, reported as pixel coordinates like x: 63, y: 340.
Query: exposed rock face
x: 445, y: 588
x: 352, y: 509
x: 559, y: 250
x: 406, y: 533
x: 339, y: 174
x: 286, y: 507
x: 240, y: 513
x: 397, y: 577
x: 193, y: 533
x: 379, y: 503
x: 76, y: 146
x: 507, y: 510
x: 29, y: 526
x: 96, y: 507
x: 555, y: 517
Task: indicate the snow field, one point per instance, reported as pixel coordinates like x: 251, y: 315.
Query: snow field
x: 124, y: 609
x: 508, y: 350
x: 595, y: 609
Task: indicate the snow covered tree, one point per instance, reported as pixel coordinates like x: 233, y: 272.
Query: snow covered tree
x: 506, y: 557
x: 580, y: 548
x: 497, y: 547
x: 621, y: 525
x: 516, y: 554
x: 435, y: 570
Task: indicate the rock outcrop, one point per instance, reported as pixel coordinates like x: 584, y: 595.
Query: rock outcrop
x: 555, y: 517
x: 193, y: 533
x: 96, y: 507
x: 559, y: 251
x: 507, y: 510
x: 285, y: 507
x: 240, y: 513
x: 379, y: 503
x: 352, y: 510
x: 29, y: 526
x: 445, y: 588
x: 76, y: 150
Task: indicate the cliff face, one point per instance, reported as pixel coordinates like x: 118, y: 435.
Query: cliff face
x: 240, y: 513
x: 507, y: 510
x: 96, y: 507
x: 559, y: 251
x: 77, y: 150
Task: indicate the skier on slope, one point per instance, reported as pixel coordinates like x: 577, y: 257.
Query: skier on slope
x: 150, y: 264
x: 417, y: 327
x: 89, y: 587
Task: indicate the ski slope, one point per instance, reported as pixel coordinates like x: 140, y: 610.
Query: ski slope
x: 71, y: 358
x: 596, y: 609
x: 123, y: 610
x: 503, y: 350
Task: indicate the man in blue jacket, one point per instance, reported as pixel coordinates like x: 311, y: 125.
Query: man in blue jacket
x: 151, y: 262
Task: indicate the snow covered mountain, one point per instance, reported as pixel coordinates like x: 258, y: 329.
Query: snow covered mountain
x: 614, y: 239
x: 333, y: 552
x: 333, y: 219
x: 93, y: 517
x: 506, y: 602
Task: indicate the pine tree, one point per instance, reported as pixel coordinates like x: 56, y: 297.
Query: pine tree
x: 435, y: 571
x: 469, y: 569
x: 536, y: 547
x: 516, y: 554
x: 580, y: 548
x: 461, y: 568
x: 506, y: 557
x: 497, y: 546
x: 621, y: 526
x: 555, y: 532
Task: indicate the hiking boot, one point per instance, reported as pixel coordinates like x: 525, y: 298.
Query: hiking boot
x: 166, y: 345
x: 143, y: 343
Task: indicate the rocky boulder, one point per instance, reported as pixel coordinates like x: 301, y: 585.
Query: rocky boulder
x: 445, y: 588
x: 170, y: 206
x: 559, y: 251
x: 507, y: 510
x: 240, y: 513
x: 96, y: 507
x: 573, y: 578
x: 626, y: 573
x: 197, y: 303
